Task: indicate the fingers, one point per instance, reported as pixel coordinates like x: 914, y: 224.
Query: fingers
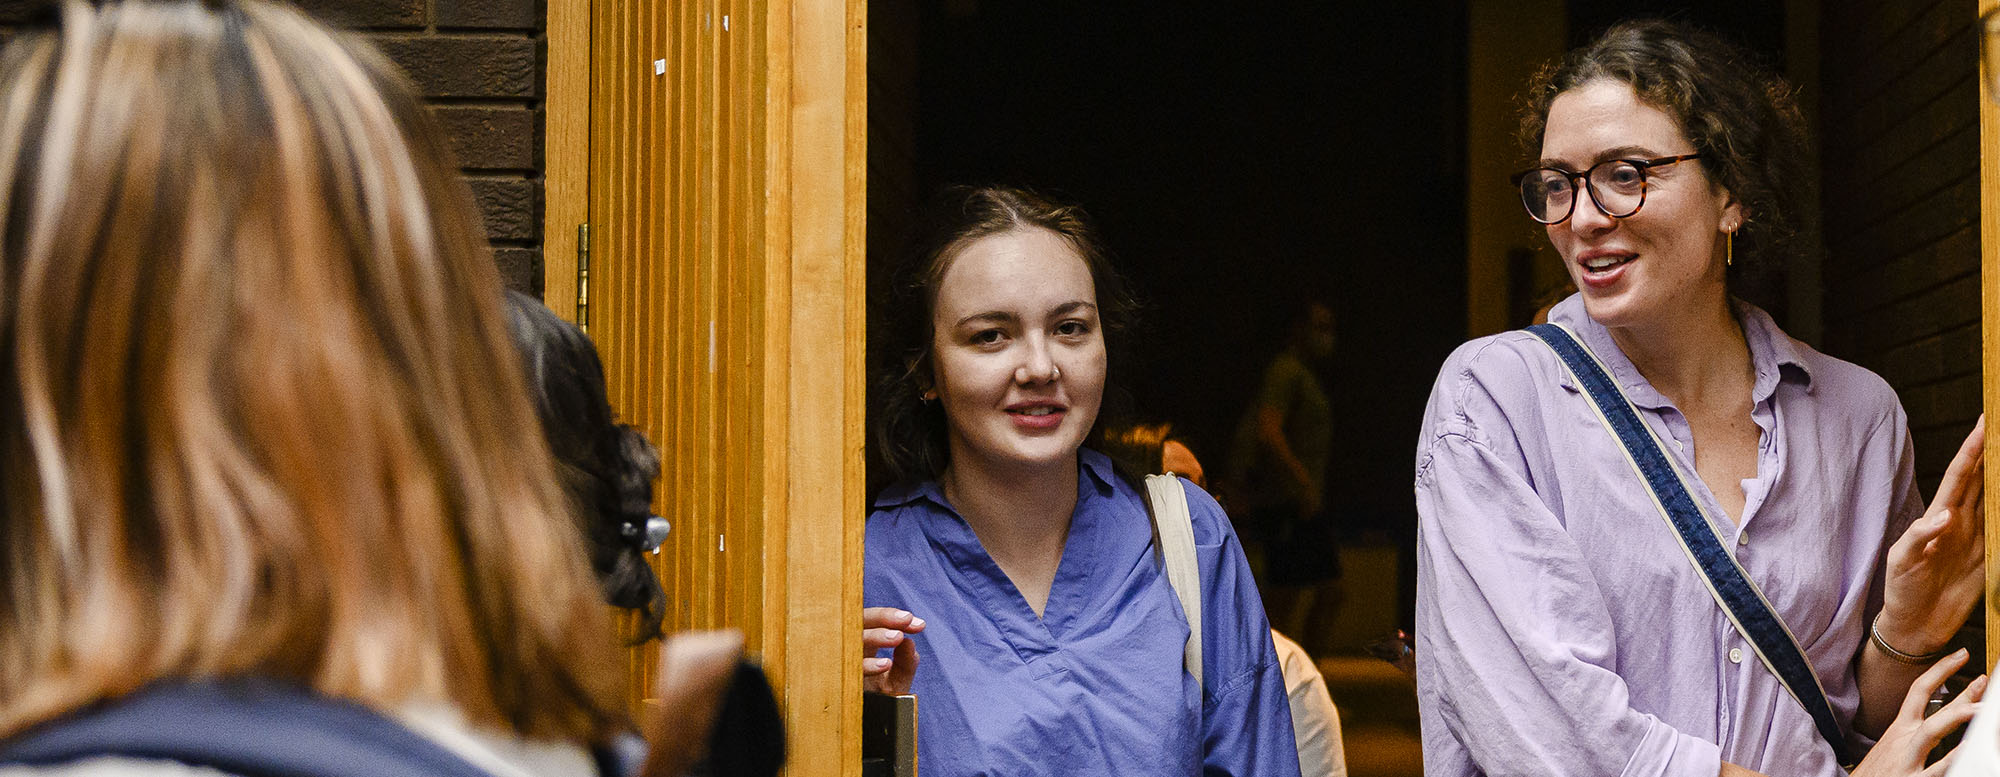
x: 1959, y: 710
x: 1962, y: 465
x: 1927, y: 684
x: 904, y: 669
x: 891, y: 618
x: 876, y: 639
x: 1942, y: 767
x: 888, y: 627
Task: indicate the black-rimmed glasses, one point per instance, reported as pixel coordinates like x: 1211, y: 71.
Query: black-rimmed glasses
x: 1617, y: 187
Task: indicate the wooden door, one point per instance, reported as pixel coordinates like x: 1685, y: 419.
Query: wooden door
x: 715, y: 148
x: 1989, y: 324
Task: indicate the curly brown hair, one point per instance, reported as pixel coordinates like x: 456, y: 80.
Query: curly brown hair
x: 1740, y: 116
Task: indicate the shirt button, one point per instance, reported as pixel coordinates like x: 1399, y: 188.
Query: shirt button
x: 1736, y: 655
x: 1743, y: 537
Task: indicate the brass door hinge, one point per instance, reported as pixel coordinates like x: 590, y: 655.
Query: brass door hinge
x: 583, y: 277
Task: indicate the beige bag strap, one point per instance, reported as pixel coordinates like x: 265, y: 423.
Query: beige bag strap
x: 1173, y: 534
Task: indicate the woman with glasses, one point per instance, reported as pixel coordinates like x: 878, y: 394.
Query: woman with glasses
x: 1566, y: 624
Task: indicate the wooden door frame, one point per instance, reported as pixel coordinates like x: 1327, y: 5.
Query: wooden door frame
x: 814, y: 346
x: 1989, y: 333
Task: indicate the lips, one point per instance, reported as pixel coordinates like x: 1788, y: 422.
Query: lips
x: 1603, y: 268
x: 1037, y: 415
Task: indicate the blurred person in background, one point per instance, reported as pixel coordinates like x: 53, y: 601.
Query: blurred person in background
x: 1278, y: 469
x: 607, y: 471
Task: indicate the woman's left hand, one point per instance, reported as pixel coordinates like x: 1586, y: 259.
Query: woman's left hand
x: 1937, y: 569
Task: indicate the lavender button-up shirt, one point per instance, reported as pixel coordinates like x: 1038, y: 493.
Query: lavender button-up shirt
x: 1560, y: 628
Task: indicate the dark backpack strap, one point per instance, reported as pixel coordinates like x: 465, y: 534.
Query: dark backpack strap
x: 1733, y: 591
x: 245, y: 727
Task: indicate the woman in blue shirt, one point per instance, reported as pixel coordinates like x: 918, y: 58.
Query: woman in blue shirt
x: 1012, y: 558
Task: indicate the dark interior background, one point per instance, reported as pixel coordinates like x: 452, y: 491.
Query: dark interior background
x: 1239, y: 160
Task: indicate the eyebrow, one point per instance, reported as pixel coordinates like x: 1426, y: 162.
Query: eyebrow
x: 1003, y: 317
x: 1621, y: 152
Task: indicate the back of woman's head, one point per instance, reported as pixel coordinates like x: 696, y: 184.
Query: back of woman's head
x: 910, y: 433
x: 607, y: 468
x: 259, y: 413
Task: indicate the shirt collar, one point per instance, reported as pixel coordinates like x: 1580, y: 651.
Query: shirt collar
x: 1774, y: 355
x: 1096, y: 467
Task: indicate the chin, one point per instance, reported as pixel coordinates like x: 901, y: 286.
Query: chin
x: 1045, y: 451
x: 1612, y: 310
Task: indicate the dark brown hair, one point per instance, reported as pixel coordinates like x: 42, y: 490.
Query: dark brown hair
x: 910, y: 434
x: 607, y: 468
x: 1740, y: 116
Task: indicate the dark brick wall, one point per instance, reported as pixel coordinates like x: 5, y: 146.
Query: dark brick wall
x: 1899, y: 97
x: 479, y: 63
x: 1900, y: 136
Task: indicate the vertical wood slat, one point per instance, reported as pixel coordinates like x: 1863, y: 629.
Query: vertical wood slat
x: 1989, y: 324
x: 567, y: 151
x: 826, y: 155
x: 728, y: 190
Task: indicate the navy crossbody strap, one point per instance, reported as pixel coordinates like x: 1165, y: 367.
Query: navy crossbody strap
x: 250, y: 728
x: 1739, y: 597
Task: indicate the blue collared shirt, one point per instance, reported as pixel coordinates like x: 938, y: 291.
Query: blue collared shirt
x: 1096, y: 686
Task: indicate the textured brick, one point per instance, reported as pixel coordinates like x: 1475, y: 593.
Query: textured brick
x: 508, y: 205
x: 488, y: 14
x: 465, y: 66
x: 491, y: 138
x: 520, y: 269
x: 367, y: 13
x: 1901, y: 207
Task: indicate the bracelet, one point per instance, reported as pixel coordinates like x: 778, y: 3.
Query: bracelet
x: 1875, y: 636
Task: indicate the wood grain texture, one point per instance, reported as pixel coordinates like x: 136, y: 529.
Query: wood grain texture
x: 828, y: 164
x: 566, y: 151
x: 1989, y: 317
x: 725, y: 186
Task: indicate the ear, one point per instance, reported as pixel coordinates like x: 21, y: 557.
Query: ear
x: 923, y: 371
x: 1734, y: 215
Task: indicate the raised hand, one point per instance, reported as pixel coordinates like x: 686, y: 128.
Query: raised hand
x: 1936, y: 570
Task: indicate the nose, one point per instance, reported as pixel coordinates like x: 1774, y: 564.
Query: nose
x: 1587, y: 218
x: 1038, y: 364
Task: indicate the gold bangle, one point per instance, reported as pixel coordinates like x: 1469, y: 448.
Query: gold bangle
x: 1898, y: 656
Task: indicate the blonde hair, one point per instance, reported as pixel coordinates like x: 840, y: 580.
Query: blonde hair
x: 259, y: 412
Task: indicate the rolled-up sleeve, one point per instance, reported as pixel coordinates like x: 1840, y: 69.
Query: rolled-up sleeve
x: 1515, y: 647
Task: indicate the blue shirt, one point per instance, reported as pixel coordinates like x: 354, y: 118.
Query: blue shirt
x: 1096, y: 685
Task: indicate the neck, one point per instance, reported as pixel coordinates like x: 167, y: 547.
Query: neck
x: 1691, y: 354
x: 1018, y: 513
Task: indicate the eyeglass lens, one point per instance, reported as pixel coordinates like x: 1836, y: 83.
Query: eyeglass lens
x: 1618, y: 187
